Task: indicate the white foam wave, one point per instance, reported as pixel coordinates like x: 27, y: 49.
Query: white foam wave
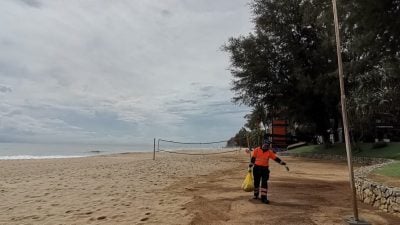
x: 13, y: 157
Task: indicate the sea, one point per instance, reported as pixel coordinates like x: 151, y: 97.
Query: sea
x: 9, y: 151
x: 12, y: 151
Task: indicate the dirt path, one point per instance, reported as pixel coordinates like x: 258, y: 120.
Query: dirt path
x: 313, y: 192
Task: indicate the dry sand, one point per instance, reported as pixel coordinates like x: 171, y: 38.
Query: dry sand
x: 173, y: 189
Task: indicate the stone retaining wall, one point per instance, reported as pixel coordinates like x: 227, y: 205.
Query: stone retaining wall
x: 380, y: 196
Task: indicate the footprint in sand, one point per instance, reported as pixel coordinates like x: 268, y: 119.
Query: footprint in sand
x: 144, y: 219
x: 116, y: 216
x: 101, y: 217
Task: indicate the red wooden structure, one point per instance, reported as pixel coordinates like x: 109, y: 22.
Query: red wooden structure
x: 279, y: 133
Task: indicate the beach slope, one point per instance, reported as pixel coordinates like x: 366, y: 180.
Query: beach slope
x: 173, y: 189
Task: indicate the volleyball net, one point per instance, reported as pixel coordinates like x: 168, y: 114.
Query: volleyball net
x: 195, y: 148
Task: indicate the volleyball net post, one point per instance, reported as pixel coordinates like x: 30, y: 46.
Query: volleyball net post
x: 154, y: 149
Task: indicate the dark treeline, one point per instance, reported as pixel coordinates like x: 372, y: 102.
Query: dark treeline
x: 287, y: 66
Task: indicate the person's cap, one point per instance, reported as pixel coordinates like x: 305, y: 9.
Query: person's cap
x: 265, y: 146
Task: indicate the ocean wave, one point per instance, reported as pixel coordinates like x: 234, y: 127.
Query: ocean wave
x: 14, y: 157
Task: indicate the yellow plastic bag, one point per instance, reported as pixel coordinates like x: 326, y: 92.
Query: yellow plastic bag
x: 248, y: 184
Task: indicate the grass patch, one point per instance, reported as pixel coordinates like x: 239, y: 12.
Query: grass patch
x: 391, y: 151
x: 391, y: 170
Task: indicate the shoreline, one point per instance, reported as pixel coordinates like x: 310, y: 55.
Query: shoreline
x: 105, y: 153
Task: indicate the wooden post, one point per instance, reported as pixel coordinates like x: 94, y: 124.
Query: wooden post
x: 240, y: 146
x: 154, y: 150
x: 344, y: 113
x: 248, y: 144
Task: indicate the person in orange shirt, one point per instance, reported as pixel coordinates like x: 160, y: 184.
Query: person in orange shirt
x: 260, y: 164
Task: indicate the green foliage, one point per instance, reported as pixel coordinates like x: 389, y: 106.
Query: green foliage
x: 373, y: 61
x: 257, y: 116
x: 256, y: 138
x: 246, y: 139
x: 240, y: 139
x: 288, y: 63
x: 253, y: 137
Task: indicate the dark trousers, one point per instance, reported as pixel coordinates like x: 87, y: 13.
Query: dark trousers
x: 261, y: 173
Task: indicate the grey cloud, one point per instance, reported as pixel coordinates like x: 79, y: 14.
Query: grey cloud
x: 212, y: 5
x: 208, y: 91
x: 206, y: 88
x: 207, y: 95
x: 32, y: 3
x: 13, y: 113
x: 166, y: 13
x: 116, y: 70
x: 12, y: 69
x: 182, y: 101
x: 5, y: 89
x: 6, y: 42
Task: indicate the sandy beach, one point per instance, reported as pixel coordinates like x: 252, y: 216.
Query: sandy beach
x: 173, y: 189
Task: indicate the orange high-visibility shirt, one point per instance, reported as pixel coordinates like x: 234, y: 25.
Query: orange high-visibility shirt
x: 262, y: 158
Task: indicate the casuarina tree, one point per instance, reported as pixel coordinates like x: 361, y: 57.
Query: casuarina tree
x: 287, y: 62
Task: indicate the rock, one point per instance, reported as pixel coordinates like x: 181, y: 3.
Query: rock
x: 377, y: 192
x: 388, y: 192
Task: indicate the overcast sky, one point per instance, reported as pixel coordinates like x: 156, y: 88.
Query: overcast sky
x: 118, y: 71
